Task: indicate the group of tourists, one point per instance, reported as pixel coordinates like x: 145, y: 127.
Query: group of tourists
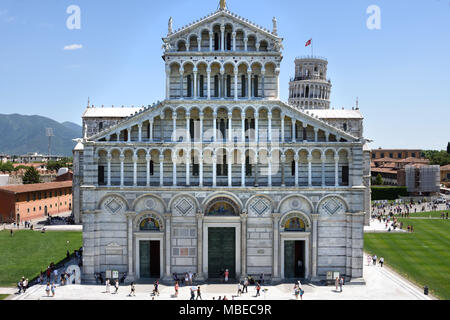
x: 23, y: 285
x: 373, y: 260
x: 116, y: 286
x: 339, y: 282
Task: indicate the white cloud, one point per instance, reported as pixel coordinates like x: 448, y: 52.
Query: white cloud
x: 73, y: 47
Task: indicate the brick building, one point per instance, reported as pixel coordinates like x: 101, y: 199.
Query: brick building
x: 395, y: 153
x: 32, y: 201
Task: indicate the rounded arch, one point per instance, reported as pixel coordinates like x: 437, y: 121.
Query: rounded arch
x: 295, y: 214
x: 285, y: 199
x: 332, y: 205
x: 209, y: 200
x: 135, y: 202
x: 185, y: 195
x: 112, y: 195
x: 143, y: 216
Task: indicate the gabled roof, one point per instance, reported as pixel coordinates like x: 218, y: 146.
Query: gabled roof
x: 220, y: 13
x: 301, y: 114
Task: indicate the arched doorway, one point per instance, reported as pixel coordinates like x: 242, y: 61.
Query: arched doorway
x: 222, y: 233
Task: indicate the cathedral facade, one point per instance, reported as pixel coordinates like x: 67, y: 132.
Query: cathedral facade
x: 221, y: 174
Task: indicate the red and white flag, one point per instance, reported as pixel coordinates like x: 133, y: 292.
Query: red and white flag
x: 308, y: 43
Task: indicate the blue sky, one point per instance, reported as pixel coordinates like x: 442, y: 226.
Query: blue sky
x: 400, y: 73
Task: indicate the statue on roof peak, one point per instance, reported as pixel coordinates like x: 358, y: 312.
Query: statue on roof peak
x: 223, y: 4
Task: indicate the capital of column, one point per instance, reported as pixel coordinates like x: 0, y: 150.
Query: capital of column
x: 122, y: 158
x: 297, y: 158
x: 211, y: 33
x: 222, y: 28
x: 283, y: 158
x: 233, y: 34
x: 174, y: 115
x: 236, y: 71
x: 130, y: 215
x: 161, y: 158
x: 222, y: 71
x: 148, y: 158
x: 276, y: 216
x: 208, y: 70
x: 215, y: 114
x: 135, y: 159
x: 249, y: 72
x: 181, y: 71
x: 310, y: 159
x: 269, y: 115
x: 188, y: 115
x: 199, y: 215
x: 336, y: 159
x: 245, y: 39
x: 244, y: 216
x: 230, y: 115
x: 195, y: 70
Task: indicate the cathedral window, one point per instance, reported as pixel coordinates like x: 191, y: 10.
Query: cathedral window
x: 243, y: 86
x: 229, y: 41
x: 216, y: 86
x: 255, y: 86
x: 248, y: 167
x: 152, y: 166
x: 228, y: 86
x: 293, y: 168
x: 216, y: 41
x: 101, y: 175
x: 189, y: 86
x: 201, y: 86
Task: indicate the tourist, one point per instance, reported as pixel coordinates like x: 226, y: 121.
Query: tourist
x: 336, y: 283
x: 133, y: 290
x: 374, y: 259
x: 116, y: 285
x: 108, y: 285
x: 11, y: 232
x: 302, y: 292
x: 186, y: 279
x: 199, y: 294
x: 227, y: 273
x: 225, y: 298
x: 239, y: 292
x: 341, y: 283
x: 156, y: 290
x: 20, y: 286
x: 192, y: 294
x: 258, y: 289
x: 47, y: 289
x: 55, y: 275
x: 53, y: 288
x: 190, y: 275
x: 369, y: 259
x: 25, y: 285
x: 381, y: 261
x: 245, y: 288
x: 176, y: 289
x: 296, y: 291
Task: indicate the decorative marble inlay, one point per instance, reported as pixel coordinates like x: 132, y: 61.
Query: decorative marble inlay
x: 260, y: 206
x: 114, y: 205
x: 184, y: 206
x: 332, y: 206
x: 150, y: 204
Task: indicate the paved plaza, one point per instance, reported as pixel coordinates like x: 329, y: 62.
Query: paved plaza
x: 381, y: 284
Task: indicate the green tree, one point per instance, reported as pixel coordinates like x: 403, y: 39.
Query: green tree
x: 31, y: 176
x: 6, y: 167
x: 379, y: 180
x: 440, y: 158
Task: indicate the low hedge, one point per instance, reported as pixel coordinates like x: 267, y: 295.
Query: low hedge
x: 388, y: 193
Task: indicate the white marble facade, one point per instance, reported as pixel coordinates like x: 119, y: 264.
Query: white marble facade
x: 214, y: 154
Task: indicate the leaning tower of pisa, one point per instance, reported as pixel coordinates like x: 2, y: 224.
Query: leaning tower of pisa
x: 310, y: 88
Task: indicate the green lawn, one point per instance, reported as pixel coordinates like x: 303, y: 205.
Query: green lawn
x: 3, y: 296
x: 423, y: 256
x: 433, y: 214
x: 29, y: 252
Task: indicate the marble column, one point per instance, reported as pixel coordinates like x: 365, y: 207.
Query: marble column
x: 148, y: 159
x: 202, y: 118
x: 214, y: 177
x: 249, y: 85
x: 167, y: 82
x: 140, y: 132
x: 304, y: 133
x: 263, y: 76
x: 122, y: 159
x: 324, y: 159
x: 282, y: 127
x: 243, y: 126
x: 130, y: 218
x: 135, y: 161
x: 315, y: 222
x: 294, y: 138
x: 230, y: 127
x: 222, y: 38
x: 151, y: 130
x: 181, y: 82
x: 316, y: 134
x: 168, y: 247
x: 270, y: 126
x: 336, y: 171
x: 236, y: 84
x: 174, y: 126
x: 256, y: 127
x: 174, y: 171
x: 283, y: 180
x: 234, y: 40
x: 243, y: 158
x: 188, y: 127
x: 230, y: 170
x: 310, y: 159
x: 188, y: 169
x: 109, y: 158
x: 244, y: 245
x: 195, y: 83
x: 200, y: 275
x: 246, y: 44
x: 208, y: 71
x: 161, y: 170
x: 257, y: 170
x: 200, y: 159
x: 129, y: 134
x: 276, y: 246
x: 211, y: 35
x: 215, y: 126
x: 269, y: 177
x: 296, y: 159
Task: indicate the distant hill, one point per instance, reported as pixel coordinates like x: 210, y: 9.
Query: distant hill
x: 22, y: 134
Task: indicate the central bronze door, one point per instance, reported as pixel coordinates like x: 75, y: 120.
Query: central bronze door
x: 221, y: 252
x: 294, y: 259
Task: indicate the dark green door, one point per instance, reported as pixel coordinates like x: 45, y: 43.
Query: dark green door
x: 289, y: 259
x: 221, y: 252
x: 144, y: 259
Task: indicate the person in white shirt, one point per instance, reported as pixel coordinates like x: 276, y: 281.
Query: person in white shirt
x: 108, y: 285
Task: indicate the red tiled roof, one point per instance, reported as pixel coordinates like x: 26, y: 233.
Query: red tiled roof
x: 36, y: 165
x: 383, y: 170
x: 445, y: 168
x: 22, y: 188
x: 415, y: 160
x: 386, y: 160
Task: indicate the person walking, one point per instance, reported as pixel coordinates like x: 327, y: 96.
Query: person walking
x: 245, y: 285
x: 47, y: 289
x: 296, y: 291
x: 369, y: 259
x: 239, y: 292
x: 258, y: 289
x: 108, y: 285
x: 381, y: 261
x: 192, y: 294
x: 341, y: 283
x: 227, y: 274
x: 336, y: 283
x: 186, y: 279
x: 156, y: 289
x: 177, y: 286
x: 133, y: 290
x: 53, y: 288
x: 374, y: 259
x: 116, y: 285
x: 55, y: 275
x: 199, y: 294
x: 190, y: 275
x: 25, y: 285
